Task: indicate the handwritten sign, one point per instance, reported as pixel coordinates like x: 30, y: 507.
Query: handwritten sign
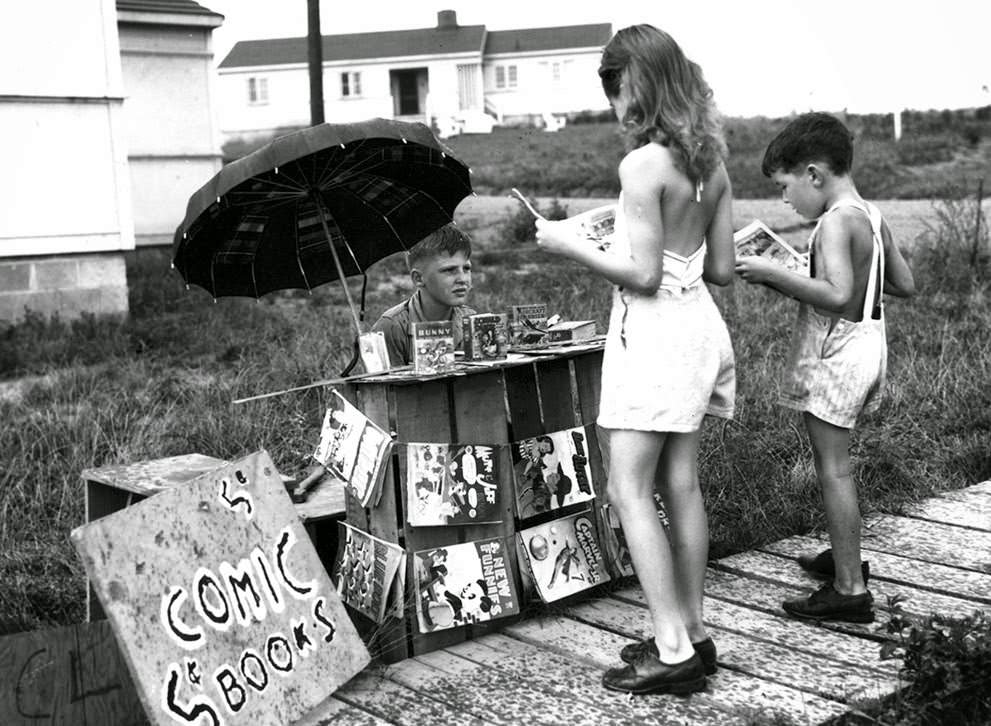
x: 70, y: 675
x: 219, y: 601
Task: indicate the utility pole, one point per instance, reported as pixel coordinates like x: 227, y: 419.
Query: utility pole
x: 314, y: 46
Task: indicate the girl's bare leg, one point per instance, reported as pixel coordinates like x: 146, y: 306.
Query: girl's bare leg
x: 633, y: 462
x: 678, y: 484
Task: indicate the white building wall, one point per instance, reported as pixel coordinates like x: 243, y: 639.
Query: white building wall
x: 173, y: 144
x: 537, y: 92
x: 65, y: 190
x: 288, y: 88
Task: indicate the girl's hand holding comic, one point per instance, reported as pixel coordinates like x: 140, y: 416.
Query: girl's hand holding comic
x: 755, y: 270
x: 556, y: 237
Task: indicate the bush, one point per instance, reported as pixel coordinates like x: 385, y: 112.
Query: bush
x: 518, y: 227
x: 948, y: 663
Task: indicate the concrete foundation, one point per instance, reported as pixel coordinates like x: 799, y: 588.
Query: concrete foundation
x: 64, y: 286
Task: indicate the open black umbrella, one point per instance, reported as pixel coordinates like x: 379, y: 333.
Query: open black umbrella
x: 316, y: 205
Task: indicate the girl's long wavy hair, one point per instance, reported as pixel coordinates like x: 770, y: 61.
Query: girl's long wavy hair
x: 670, y: 102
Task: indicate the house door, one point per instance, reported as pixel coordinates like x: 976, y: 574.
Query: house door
x: 409, y: 88
x: 468, y: 96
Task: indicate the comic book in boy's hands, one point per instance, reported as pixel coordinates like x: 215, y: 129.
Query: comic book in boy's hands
x: 758, y: 240
x: 596, y: 225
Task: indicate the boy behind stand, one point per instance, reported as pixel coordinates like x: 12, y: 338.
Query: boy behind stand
x: 838, y: 359
x: 440, y: 268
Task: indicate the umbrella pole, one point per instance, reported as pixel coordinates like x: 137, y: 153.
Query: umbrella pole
x: 337, y: 262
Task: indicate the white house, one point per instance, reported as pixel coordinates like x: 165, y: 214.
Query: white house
x: 107, y: 130
x: 456, y: 77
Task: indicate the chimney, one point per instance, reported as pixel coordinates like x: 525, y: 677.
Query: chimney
x: 447, y: 19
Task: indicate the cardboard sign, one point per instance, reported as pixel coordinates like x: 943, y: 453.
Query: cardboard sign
x: 70, y: 675
x: 219, y: 601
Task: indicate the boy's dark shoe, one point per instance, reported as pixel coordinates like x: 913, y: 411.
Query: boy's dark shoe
x: 827, y: 604
x: 647, y: 674
x: 823, y: 566
x: 705, y: 649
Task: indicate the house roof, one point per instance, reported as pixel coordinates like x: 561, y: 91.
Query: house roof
x: 543, y: 39
x: 184, y: 7
x: 425, y: 41
x: 359, y: 46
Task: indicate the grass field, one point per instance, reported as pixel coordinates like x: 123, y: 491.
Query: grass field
x: 161, y: 383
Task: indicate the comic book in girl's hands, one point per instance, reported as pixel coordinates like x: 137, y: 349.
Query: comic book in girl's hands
x: 353, y: 449
x: 451, y: 484
x: 463, y: 584
x: 552, y: 471
x: 596, y: 225
x: 563, y: 556
x: 757, y: 239
x: 367, y: 570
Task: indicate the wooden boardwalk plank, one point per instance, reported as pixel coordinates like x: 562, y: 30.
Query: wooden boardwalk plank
x: 558, y: 689
x: 944, y: 579
x: 731, y: 691
x: 800, y: 635
x: 984, y: 487
x: 916, y: 601
x: 817, y: 674
x: 962, y: 508
x: 930, y: 541
x: 372, y: 692
x: 334, y: 711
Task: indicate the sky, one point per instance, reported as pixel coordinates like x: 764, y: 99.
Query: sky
x: 761, y: 57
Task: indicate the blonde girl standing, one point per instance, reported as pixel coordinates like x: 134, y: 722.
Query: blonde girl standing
x: 668, y: 360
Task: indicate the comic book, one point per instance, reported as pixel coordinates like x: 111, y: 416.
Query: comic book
x: 596, y: 225
x: 464, y: 584
x: 367, y: 570
x: 374, y: 353
x: 614, y: 539
x: 552, y: 471
x: 451, y: 484
x: 527, y: 324
x: 486, y: 336
x: 757, y: 239
x: 433, y: 346
x: 353, y: 449
x: 563, y: 556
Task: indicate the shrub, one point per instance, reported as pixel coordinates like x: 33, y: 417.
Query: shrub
x: 518, y: 227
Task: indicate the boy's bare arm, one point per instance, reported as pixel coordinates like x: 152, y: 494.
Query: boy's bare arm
x: 898, y: 279
x: 833, y: 287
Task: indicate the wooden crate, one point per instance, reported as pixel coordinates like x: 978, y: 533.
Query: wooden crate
x: 482, y: 406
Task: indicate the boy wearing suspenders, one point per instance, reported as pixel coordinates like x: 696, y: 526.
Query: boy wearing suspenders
x: 838, y: 359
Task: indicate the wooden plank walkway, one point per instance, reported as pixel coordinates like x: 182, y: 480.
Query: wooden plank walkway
x: 547, y: 669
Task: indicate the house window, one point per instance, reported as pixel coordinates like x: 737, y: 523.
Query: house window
x: 505, y: 76
x: 556, y: 72
x: 257, y: 91
x: 350, y: 84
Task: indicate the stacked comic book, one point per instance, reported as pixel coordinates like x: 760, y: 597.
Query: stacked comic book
x: 527, y: 324
x: 371, y: 574
x: 451, y: 484
x: 432, y: 343
x: 464, y: 584
x: 486, y: 336
x: 563, y: 556
x: 353, y: 449
x: 757, y: 239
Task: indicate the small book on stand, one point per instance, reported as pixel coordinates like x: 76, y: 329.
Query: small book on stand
x: 757, y: 239
x: 486, y: 336
x: 570, y: 331
x: 433, y: 346
x: 527, y: 324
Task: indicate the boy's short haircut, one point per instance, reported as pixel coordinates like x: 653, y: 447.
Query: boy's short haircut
x: 448, y: 240
x: 809, y: 138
